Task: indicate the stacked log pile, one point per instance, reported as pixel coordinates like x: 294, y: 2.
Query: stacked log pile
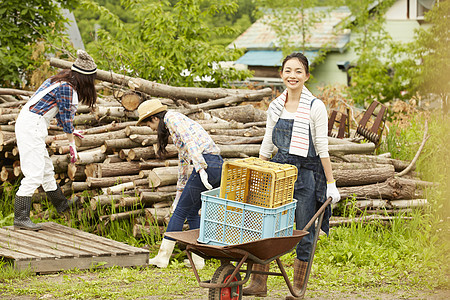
x: 118, y: 168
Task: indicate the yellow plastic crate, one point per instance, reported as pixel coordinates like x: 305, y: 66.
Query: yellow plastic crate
x: 258, y: 182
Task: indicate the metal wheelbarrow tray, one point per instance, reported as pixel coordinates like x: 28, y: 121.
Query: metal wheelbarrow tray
x: 226, y: 282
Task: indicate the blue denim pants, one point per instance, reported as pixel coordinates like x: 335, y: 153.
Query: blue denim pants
x: 190, y: 200
x: 310, y: 187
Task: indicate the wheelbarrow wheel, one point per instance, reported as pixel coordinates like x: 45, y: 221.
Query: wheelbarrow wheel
x: 227, y: 293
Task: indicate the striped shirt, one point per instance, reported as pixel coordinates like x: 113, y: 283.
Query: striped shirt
x: 191, y: 141
x: 61, y: 97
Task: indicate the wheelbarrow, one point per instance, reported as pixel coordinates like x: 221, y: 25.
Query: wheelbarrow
x: 227, y: 282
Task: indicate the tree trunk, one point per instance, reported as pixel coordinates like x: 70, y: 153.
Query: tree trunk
x: 363, y: 176
x: 239, y: 150
x: 149, y: 198
x: 110, y: 146
x: 391, y: 189
x: 118, y: 169
x: 250, y: 132
x: 158, y: 163
x: 96, y: 140
x: 161, y: 90
x: 235, y: 140
x: 399, y: 165
x: 242, y: 113
x: 141, y: 153
x: 109, y: 181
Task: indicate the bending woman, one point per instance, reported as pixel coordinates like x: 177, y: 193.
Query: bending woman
x: 297, y: 126
x: 193, y: 144
x: 56, y: 98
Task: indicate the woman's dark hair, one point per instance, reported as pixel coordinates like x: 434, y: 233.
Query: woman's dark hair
x: 162, y: 132
x: 300, y: 57
x: 83, y: 84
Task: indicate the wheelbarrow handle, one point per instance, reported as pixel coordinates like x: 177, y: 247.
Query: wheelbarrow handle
x: 318, y: 213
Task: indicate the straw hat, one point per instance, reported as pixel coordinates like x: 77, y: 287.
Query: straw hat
x: 149, y: 108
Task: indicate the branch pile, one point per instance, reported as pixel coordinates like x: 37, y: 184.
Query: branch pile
x: 118, y: 168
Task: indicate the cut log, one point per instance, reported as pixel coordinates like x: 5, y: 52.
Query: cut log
x: 79, y: 186
x: 104, y: 200
x: 130, y: 101
x: 109, y: 181
x: 118, y: 112
x: 353, y: 177
x: 141, y: 153
x: 161, y: 90
x: 90, y: 156
x: 235, y: 140
x: 158, y: 163
x: 391, y: 189
x: 149, y: 198
x: 96, y: 140
x: 239, y: 150
x: 399, y: 165
x: 110, y: 145
x: 15, y: 92
x: 242, y: 113
x: 118, y: 169
x: 365, y: 219
x: 139, y: 130
x: 123, y: 215
x: 255, y: 131
x: 352, y: 148
x: 120, y: 188
x: 145, y: 140
x: 412, y: 203
x: 157, y: 214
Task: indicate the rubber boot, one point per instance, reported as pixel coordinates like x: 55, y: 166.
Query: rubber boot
x: 258, y: 284
x: 161, y: 260
x: 59, y: 201
x: 22, y: 207
x: 300, y: 269
x: 198, y: 262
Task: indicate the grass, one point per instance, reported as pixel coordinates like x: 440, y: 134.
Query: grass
x: 404, y: 258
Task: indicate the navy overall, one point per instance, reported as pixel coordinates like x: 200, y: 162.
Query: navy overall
x: 310, y: 187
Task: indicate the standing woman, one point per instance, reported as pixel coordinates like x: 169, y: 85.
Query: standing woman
x: 193, y: 144
x: 297, y: 125
x: 56, y: 98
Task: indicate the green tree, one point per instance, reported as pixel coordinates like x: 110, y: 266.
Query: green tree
x: 22, y: 25
x: 372, y: 75
x: 433, y: 51
x: 169, y: 43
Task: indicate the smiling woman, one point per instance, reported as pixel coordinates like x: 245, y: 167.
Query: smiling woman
x: 297, y: 126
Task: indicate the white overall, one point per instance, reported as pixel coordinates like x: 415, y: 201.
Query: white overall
x: 31, y: 131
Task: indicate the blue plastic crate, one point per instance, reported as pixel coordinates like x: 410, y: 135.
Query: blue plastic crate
x: 227, y: 222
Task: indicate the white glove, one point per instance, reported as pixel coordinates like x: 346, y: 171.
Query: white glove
x: 175, y: 201
x: 333, y: 192
x: 78, y: 133
x: 204, y: 178
x: 73, y: 152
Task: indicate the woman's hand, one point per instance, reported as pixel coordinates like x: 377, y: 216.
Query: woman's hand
x: 333, y: 192
x: 204, y: 179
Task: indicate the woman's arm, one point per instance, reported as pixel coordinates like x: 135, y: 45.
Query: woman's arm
x: 326, y: 163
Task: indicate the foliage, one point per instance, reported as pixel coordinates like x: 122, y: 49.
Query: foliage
x: 373, y: 76
x: 433, y: 52
x: 167, y: 44
x: 23, y: 24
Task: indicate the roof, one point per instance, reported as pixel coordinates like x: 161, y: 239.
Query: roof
x: 269, y: 58
x: 324, y: 34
